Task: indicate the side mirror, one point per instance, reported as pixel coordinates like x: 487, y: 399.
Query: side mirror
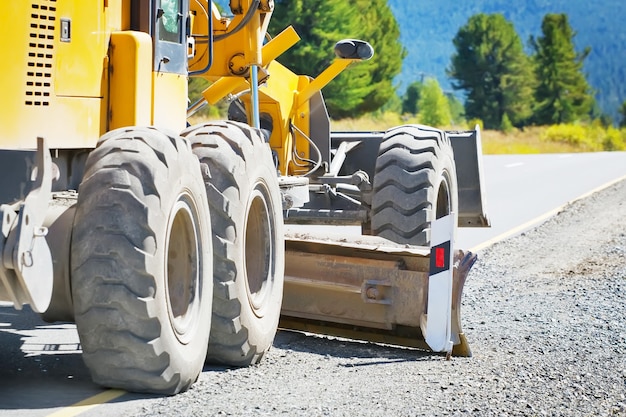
x: 354, y: 49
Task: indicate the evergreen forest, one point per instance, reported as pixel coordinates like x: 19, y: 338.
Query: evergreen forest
x: 503, y: 65
x: 427, y: 28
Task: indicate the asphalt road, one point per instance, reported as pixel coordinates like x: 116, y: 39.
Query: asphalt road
x: 525, y: 190
x: 41, y: 371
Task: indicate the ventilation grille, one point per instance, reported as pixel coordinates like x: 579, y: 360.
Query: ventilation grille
x: 40, y: 53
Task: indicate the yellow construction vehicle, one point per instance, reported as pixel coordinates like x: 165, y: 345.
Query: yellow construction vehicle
x: 165, y: 242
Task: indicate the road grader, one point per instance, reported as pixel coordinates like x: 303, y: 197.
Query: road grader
x: 165, y: 242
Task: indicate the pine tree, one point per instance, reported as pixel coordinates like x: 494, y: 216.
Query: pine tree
x: 563, y: 94
x: 411, y: 98
x: 433, y: 105
x: 380, y: 28
x: 622, y: 111
x: 491, y: 67
x: 321, y: 23
x: 457, y: 110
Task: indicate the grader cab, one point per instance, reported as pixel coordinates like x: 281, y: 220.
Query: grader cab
x: 165, y: 243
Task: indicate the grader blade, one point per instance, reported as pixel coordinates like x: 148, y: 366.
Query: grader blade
x: 368, y: 288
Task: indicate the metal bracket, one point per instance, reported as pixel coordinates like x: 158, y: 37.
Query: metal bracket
x: 26, y: 268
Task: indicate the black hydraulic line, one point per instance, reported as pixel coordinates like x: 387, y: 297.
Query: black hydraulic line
x: 249, y: 14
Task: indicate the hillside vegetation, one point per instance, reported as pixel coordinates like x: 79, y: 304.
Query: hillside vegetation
x: 565, y: 138
x: 427, y: 28
x: 539, y: 103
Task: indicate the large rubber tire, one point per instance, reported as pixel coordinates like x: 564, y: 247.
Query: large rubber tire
x: 414, y: 183
x: 248, y: 242
x: 142, y: 263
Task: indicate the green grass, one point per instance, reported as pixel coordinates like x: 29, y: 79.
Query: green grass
x: 528, y: 141
x: 378, y: 122
x: 570, y: 138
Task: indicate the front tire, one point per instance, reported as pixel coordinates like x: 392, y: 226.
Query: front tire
x: 249, y: 250
x: 414, y: 183
x: 141, y: 263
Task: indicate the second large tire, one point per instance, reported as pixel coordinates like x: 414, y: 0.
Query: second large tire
x: 246, y: 214
x: 141, y: 263
x: 414, y: 183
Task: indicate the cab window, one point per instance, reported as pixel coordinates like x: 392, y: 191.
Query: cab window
x: 170, y: 21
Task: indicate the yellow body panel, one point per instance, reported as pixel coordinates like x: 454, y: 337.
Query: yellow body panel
x: 301, y: 119
x: 68, y: 122
x: 131, y: 80
x: 30, y: 106
x: 80, y: 59
x: 170, y: 95
x: 242, y: 47
x: 275, y: 99
x: 78, y: 71
x: 117, y: 14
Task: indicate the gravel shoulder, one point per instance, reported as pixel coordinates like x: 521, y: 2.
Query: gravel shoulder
x: 544, y: 315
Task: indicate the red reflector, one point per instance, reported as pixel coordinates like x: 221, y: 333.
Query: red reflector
x: 440, y: 257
